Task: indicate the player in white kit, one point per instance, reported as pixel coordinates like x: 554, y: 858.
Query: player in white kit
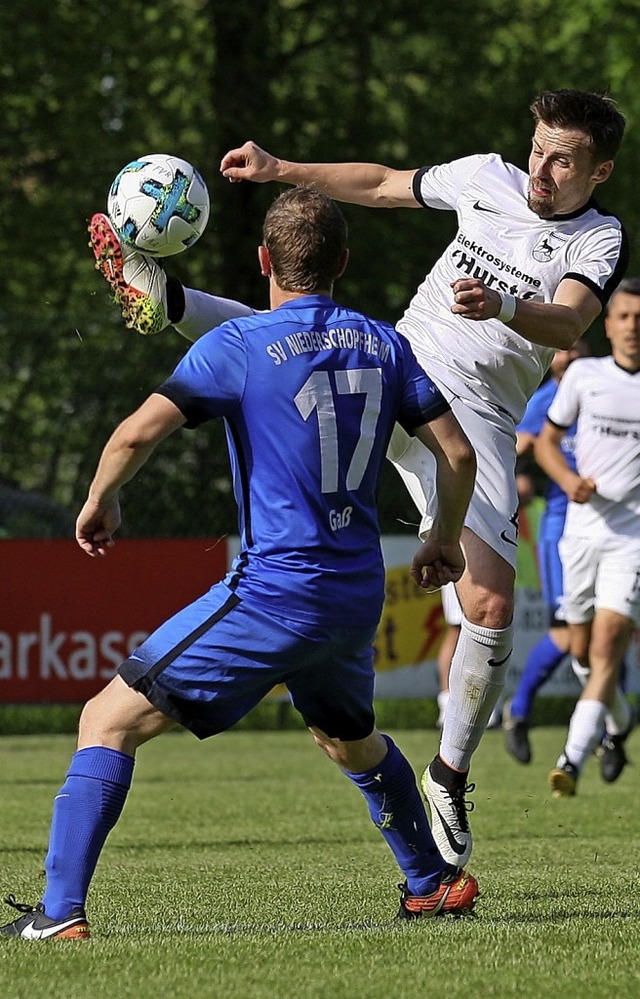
x: 600, y: 546
x: 532, y: 264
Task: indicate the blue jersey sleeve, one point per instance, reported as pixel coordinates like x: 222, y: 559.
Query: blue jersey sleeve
x: 535, y: 414
x: 210, y: 379
x: 422, y: 400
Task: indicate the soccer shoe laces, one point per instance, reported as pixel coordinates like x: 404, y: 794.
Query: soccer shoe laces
x: 461, y: 805
x: 20, y: 906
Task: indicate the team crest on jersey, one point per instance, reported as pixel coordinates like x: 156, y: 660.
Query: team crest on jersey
x: 547, y: 246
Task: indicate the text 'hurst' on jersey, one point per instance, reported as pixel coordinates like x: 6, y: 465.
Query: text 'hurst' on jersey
x: 508, y: 247
x: 310, y: 393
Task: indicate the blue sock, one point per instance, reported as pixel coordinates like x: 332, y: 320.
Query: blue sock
x: 85, y: 810
x: 396, y: 808
x: 543, y: 659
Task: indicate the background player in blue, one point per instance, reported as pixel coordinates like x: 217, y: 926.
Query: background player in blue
x: 310, y: 393
x: 549, y: 652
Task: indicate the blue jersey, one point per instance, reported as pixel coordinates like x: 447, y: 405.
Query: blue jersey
x: 532, y: 423
x: 309, y: 393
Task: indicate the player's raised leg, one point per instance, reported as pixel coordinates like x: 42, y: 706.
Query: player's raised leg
x: 151, y: 300
x: 138, y: 283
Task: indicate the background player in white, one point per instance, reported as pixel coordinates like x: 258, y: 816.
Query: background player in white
x: 531, y: 266
x: 549, y: 652
x: 309, y: 392
x: 600, y: 546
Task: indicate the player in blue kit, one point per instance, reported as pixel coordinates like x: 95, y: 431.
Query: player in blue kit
x: 310, y: 393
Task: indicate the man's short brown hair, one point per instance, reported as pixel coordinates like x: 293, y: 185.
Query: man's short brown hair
x: 306, y: 235
x: 595, y: 114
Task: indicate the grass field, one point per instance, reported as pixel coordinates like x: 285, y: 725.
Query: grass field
x: 247, y: 867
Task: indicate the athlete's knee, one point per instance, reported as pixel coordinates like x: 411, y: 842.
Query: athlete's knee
x: 489, y: 608
x: 353, y: 756
x: 98, y: 725
x: 119, y: 718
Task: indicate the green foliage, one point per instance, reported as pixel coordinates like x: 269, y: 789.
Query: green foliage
x: 90, y: 86
x: 248, y: 867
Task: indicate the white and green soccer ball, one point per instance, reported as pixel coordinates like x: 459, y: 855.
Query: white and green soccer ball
x: 158, y: 205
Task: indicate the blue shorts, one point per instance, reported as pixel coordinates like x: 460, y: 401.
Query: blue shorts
x: 212, y: 662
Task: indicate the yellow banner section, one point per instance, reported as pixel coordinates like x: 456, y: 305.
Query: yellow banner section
x: 412, y: 624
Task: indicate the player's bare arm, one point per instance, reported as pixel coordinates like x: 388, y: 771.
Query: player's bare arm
x: 556, y: 324
x: 524, y: 442
x: 370, y: 184
x: 440, y: 560
x: 126, y: 451
x: 548, y: 454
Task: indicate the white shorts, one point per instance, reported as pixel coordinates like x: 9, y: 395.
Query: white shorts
x: 493, y: 510
x: 451, y: 609
x: 600, y: 573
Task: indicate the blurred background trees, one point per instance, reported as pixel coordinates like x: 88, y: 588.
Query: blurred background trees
x: 87, y: 87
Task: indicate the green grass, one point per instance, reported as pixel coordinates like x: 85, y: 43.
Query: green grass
x: 247, y: 866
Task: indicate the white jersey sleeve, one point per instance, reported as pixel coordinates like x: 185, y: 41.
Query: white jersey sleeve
x: 441, y: 186
x: 564, y: 409
x: 594, y: 258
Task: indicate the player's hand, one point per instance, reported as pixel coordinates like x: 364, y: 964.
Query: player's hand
x: 96, y: 525
x: 473, y: 300
x: 249, y: 162
x: 436, y: 563
x: 581, y: 490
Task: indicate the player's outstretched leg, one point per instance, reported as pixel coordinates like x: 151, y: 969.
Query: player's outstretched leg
x: 138, y: 283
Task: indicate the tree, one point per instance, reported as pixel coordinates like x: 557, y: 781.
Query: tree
x: 91, y: 86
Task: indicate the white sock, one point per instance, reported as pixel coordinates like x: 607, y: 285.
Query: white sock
x: 475, y: 688
x: 495, y: 718
x: 202, y: 312
x: 443, y: 700
x: 581, y: 672
x: 585, y: 731
x: 618, y: 716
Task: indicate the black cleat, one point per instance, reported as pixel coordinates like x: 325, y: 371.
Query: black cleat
x: 612, y: 755
x: 516, y: 735
x: 36, y: 925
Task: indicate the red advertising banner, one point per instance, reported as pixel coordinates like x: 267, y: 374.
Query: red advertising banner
x: 67, y: 621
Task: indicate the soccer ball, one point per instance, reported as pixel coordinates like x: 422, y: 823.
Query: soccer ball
x: 158, y: 205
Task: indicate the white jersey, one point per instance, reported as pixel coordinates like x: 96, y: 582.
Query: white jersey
x: 502, y: 242
x: 605, y: 400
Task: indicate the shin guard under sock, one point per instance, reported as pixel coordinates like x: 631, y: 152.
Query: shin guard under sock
x: 85, y: 810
